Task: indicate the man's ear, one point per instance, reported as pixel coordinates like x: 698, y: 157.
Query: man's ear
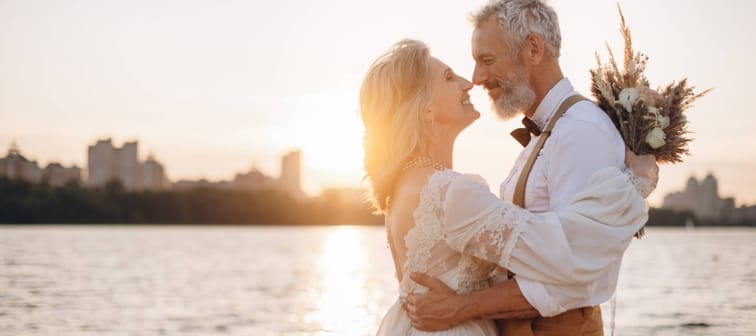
x: 533, y: 49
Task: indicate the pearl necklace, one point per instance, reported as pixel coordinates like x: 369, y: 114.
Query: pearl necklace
x: 423, y: 161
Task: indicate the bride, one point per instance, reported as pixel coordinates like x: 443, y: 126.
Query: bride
x: 440, y: 222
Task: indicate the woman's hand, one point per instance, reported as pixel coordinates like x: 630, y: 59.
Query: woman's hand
x: 643, y: 166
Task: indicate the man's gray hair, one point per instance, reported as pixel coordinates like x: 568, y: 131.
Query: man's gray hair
x: 520, y: 18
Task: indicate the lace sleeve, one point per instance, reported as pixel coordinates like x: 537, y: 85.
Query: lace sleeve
x: 642, y: 185
x: 571, y: 245
x: 477, y: 223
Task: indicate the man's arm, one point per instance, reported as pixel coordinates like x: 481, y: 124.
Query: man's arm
x: 517, y: 306
x: 441, y: 308
x: 569, y: 247
x: 552, y: 299
x: 578, y: 150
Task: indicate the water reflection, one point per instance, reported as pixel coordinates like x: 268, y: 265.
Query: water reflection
x: 342, y: 305
x: 303, y: 281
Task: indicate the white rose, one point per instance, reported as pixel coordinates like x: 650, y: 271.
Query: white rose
x: 655, y: 138
x: 627, y: 98
x: 663, y: 121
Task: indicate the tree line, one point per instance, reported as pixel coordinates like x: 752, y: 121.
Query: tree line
x: 27, y: 203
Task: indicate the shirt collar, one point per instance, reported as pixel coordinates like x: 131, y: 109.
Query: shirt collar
x: 558, y: 93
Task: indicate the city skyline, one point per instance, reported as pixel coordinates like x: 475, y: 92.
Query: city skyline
x: 107, y: 162
x: 702, y: 198
x: 217, y: 87
x: 15, y: 147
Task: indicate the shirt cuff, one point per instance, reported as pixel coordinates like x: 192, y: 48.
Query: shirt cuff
x: 538, y: 297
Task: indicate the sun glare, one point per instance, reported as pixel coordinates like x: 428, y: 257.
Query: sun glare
x: 342, y: 305
x: 331, y: 141
x: 331, y: 144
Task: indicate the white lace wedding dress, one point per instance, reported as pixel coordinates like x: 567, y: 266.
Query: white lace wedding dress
x: 463, y: 234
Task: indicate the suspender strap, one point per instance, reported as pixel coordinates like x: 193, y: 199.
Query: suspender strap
x: 519, y: 193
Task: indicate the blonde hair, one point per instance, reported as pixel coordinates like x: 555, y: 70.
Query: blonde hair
x: 393, y: 96
x: 520, y: 18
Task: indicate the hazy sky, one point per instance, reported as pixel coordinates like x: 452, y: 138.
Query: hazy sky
x: 215, y: 87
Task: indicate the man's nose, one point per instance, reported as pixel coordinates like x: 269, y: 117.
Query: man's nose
x: 480, y: 75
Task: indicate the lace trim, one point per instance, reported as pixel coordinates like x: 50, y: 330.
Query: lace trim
x: 514, y: 237
x: 642, y: 185
x: 427, y: 230
x: 473, y: 274
x: 495, y: 224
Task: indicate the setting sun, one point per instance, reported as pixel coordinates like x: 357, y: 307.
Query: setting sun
x: 329, y: 135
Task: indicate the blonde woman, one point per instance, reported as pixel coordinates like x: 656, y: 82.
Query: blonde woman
x: 448, y: 225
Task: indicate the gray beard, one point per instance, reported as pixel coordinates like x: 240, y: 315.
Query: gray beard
x: 517, y: 99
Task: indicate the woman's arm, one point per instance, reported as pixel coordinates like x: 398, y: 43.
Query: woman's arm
x: 489, y: 230
x: 571, y: 246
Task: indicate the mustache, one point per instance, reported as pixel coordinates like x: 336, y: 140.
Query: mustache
x: 492, y: 84
x: 497, y: 83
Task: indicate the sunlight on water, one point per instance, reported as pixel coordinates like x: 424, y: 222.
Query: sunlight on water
x: 328, y: 281
x: 341, y: 300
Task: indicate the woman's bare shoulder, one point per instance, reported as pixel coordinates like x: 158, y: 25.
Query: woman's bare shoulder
x: 408, y: 189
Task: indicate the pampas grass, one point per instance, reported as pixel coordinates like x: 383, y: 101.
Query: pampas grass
x: 649, y: 106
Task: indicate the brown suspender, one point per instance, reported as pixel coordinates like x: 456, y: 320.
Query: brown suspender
x: 519, y: 193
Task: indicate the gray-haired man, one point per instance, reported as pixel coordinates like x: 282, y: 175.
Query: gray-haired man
x: 516, y: 46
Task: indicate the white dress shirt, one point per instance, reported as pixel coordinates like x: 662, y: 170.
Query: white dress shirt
x: 583, y: 141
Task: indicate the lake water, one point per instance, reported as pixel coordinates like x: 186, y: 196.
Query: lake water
x: 164, y: 280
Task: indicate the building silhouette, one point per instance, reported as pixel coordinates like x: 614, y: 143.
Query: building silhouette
x: 702, y: 199
x: 289, y: 181
x: 56, y: 175
x: 254, y: 180
x: 16, y: 166
x: 153, y: 175
x: 106, y: 163
x: 744, y: 215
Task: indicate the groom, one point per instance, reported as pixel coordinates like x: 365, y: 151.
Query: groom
x: 516, y: 45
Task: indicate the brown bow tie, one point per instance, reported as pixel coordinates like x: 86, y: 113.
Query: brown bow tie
x: 522, y: 135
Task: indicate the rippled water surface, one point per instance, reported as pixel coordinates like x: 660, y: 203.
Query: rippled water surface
x: 108, y: 280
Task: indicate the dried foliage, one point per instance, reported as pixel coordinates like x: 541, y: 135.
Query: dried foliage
x: 650, y: 121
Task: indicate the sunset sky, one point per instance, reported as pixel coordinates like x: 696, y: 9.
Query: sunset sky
x: 216, y: 87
